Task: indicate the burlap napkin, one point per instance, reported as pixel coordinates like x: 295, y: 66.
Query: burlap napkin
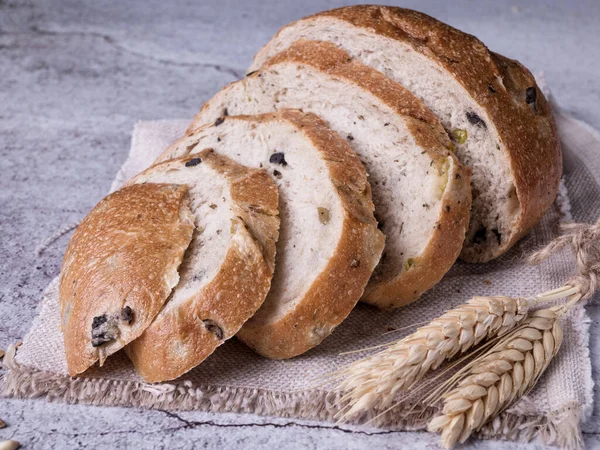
x: 236, y: 379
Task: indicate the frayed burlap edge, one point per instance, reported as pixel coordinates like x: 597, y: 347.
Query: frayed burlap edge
x: 560, y: 427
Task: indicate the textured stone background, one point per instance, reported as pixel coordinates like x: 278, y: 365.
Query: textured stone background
x: 74, y: 78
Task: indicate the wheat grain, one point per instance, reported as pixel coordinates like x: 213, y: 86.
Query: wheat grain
x: 9, y: 445
x: 495, y: 380
x: 375, y: 381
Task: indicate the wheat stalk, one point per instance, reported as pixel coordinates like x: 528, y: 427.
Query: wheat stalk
x: 492, y: 382
x: 374, y: 381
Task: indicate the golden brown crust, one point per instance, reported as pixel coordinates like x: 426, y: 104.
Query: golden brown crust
x: 125, y: 253
x: 531, y: 139
x: 183, y: 335
x: 326, y: 303
x: 498, y: 85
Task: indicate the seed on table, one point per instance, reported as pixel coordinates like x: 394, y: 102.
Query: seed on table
x: 9, y: 445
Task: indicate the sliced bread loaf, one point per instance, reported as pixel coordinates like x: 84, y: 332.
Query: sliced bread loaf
x: 420, y: 190
x: 119, y: 269
x: 329, y: 242
x: 501, y: 124
x: 227, y: 268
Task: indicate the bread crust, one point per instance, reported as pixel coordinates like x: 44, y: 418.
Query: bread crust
x: 497, y: 84
x: 125, y: 253
x: 183, y: 335
x: 338, y: 288
x: 427, y: 132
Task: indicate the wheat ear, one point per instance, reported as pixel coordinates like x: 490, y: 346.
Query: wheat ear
x: 374, y: 381
x: 503, y: 374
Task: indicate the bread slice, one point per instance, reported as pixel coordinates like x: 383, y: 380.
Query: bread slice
x: 227, y: 269
x: 329, y: 241
x: 420, y: 190
x: 119, y: 269
x: 501, y: 123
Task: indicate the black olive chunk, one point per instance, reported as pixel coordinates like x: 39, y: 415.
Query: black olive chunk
x: 498, y: 235
x: 193, y: 162
x: 100, y: 339
x: 127, y: 314
x: 249, y: 74
x: 480, y: 236
x: 278, y: 158
x: 491, y: 88
x: 219, y: 121
x: 475, y: 119
x: 531, y: 97
x: 100, y: 331
x: 212, y: 327
x: 99, y: 320
x: 277, y: 173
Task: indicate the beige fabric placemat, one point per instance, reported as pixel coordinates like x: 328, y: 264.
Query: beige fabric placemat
x: 234, y: 379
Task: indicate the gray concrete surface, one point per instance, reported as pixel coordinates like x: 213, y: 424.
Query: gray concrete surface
x: 74, y: 78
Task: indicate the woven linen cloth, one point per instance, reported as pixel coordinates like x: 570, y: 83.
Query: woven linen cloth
x: 235, y: 379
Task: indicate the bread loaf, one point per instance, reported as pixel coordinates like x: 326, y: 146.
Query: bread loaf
x: 500, y: 122
x: 119, y: 269
x: 329, y: 242
x: 420, y: 190
x: 226, y: 271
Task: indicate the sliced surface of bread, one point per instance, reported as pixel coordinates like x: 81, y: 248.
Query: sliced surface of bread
x: 501, y: 124
x: 329, y: 243
x: 119, y: 269
x: 227, y: 269
x: 420, y: 190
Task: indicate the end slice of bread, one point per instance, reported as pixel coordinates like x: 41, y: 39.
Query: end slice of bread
x: 500, y: 122
x: 119, y: 269
x: 227, y: 268
x: 329, y: 243
x: 420, y: 190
